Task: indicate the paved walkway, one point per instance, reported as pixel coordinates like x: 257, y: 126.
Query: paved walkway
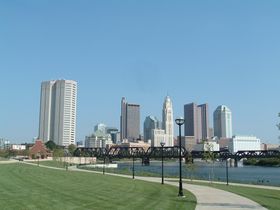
x: 8, y: 161
x: 208, y: 198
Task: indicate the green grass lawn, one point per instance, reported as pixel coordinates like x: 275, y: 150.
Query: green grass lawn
x: 27, y: 187
x: 269, y: 199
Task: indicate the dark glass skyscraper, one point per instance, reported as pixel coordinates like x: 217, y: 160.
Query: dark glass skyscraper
x: 130, y: 121
x: 196, y: 121
x: 150, y: 123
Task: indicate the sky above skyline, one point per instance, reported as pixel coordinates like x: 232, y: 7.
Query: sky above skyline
x: 215, y: 52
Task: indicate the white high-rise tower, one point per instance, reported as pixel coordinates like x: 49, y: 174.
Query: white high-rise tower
x: 167, y: 122
x: 222, y: 122
x: 58, y: 111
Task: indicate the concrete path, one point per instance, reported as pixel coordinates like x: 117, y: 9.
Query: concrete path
x: 208, y: 198
x: 8, y: 161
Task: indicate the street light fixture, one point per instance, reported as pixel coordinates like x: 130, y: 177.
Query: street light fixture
x: 133, y: 169
x: 180, y: 121
x: 227, y: 170
x: 162, y: 145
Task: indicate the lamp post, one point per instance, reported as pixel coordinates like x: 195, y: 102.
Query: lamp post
x: 180, y: 121
x: 162, y: 145
x: 66, y: 159
x: 104, y: 164
x: 133, y: 166
x: 227, y: 170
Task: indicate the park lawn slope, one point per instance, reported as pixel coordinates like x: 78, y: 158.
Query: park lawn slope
x: 30, y: 187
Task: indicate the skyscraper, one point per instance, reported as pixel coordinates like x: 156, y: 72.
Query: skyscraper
x: 130, y: 121
x: 150, y: 123
x: 222, y: 122
x: 196, y: 121
x: 204, y: 116
x: 167, y: 121
x: 58, y: 111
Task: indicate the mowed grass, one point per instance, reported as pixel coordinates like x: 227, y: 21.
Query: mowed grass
x: 27, y: 187
x: 269, y: 199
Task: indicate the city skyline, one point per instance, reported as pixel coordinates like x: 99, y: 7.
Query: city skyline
x: 210, y: 52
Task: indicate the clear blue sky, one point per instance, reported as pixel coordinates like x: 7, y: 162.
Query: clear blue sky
x: 219, y: 52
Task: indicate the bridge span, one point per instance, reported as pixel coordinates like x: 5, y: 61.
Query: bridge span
x: 119, y: 152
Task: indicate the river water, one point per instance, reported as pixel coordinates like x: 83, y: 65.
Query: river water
x: 209, y: 171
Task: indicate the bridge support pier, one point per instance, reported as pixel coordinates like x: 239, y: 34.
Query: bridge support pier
x: 146, y: 161
x: 235, y: 162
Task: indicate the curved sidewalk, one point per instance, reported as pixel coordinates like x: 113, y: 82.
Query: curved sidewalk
x: 208, y: 198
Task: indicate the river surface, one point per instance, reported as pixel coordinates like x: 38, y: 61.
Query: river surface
x: 209, y: 171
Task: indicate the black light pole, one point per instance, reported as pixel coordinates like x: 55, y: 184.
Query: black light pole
x: 132, y: 166
x: 180, y: 121
x: 162, y: 145
x: 227, y: 169
x: 104, y: 164
x: 66, y: 162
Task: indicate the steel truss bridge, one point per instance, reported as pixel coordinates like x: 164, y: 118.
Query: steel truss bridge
x: 169, y: 152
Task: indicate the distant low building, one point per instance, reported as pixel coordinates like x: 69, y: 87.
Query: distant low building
x: 38, y: 150
x: 98, y: 140
x: 224, y: 143
x: 207, y: 146
x: 270, y: 146
x: 243, y: 143
x: 18, y: 147
x: 142, y: 144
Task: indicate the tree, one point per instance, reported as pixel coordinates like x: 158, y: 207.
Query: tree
x: 50, y: 145
x: 58, y: 153
x: 71, y: 149
x: 209, y: 155
x: 190, y: 166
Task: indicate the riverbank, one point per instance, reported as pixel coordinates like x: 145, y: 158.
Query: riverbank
x: 267, y: 162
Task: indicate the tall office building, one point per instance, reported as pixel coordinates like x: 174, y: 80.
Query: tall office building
x: 204, y: 117
x: 222, y: 122
x: 150, y: 123
x: 196, y: 121
x: 58, y: 111
x: 167, y: 122
x: 130, y: 121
